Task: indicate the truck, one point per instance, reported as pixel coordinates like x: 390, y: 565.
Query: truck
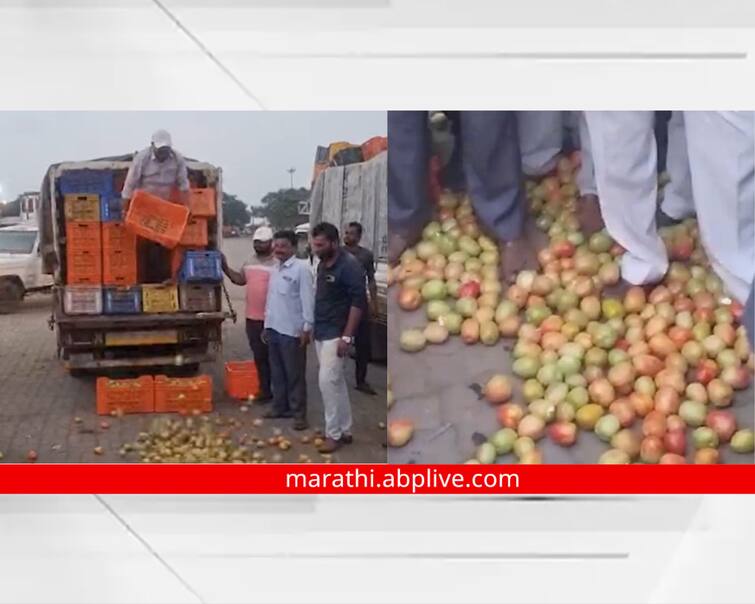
x: 20, y: 264
x: 359, y: 192
x: 99, y: 342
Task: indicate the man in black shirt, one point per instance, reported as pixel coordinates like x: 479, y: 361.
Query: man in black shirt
x: 339, y: 304
x: 351, y: 240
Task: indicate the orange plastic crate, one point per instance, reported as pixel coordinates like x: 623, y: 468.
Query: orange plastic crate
x: 202, y: 202
x: 241, y: 379
x: 119, y: 255
x: 125, y: 396
x: 83, y: 267
x: 117, y: 238
x: 183, y: 395
x: 83, y: 236
x: 195, y: 234
x: 374, y: 146
x: 156, y: 219
x: 119, y: 268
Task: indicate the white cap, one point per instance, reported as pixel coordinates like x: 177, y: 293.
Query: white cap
x: 161, y: 138
x: 263, y: 233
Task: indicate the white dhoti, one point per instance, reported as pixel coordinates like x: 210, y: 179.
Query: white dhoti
x: 721, y: 147
x: 625, y: 158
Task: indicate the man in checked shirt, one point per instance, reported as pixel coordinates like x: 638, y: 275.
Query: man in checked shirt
x: 157, y: 170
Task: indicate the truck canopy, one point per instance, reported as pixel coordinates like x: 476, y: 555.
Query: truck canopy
x: 113, y: 163
x: 356, y: 192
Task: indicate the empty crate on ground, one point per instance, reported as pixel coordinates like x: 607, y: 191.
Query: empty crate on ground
x: 241, y: 379
x: 183, y: 395
x: 125, y: 396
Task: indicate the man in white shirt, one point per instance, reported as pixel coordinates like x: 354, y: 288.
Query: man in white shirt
x: 289, y: 318
x: 158, y: 169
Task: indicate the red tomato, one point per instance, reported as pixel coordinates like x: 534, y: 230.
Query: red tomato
x: 705, y: 371
x: 471, y: 289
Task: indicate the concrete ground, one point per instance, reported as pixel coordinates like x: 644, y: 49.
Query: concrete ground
x: 438, y: 387
x: 39, y: 400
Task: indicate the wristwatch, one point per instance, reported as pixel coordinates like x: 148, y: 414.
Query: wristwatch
x: 347, y: 339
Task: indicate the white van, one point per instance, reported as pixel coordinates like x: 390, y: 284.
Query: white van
x: 20, y: 264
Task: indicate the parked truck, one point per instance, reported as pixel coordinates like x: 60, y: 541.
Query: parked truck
x: 359, y: 192
x: 101, y: 342
x: 20, y: 264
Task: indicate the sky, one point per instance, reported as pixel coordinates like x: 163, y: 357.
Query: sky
x: 253, y: 148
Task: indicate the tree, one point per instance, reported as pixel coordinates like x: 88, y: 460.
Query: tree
x: 235, y: 211
x: 281, y: 208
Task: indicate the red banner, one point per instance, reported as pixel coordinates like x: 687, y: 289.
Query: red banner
x: 376, y: 479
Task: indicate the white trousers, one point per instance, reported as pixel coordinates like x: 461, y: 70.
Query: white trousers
x: 541, y: 135
x: 721, y: 146
x: 677, y: 194
x: 335, y: 392
x: 586, y: 174
x: 624, y: 154
x: 721, y: 149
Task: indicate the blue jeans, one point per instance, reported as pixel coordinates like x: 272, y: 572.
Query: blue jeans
x: 288, y: 374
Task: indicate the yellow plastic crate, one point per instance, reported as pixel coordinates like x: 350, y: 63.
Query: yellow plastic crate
x: 84, y: 207
x: 159, y: 298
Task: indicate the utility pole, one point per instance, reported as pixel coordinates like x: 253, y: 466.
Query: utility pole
x: 291, y: 174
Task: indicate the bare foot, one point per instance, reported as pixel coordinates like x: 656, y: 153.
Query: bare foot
x: 517, y: 255
x: 397, y: 244
x: 588, y: 214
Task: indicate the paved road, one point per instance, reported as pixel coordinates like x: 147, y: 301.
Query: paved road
x: 39, y: 401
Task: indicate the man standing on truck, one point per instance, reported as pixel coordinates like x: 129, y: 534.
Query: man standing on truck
x: 289, y: 317
x: 339, y: 304
x: 255, y: 275
x: 158, y: 169
x: 351, y: 240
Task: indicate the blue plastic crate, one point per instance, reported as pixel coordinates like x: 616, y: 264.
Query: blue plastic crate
x: 111, y: 208
x: 123, y: 300
x: 86, y: 181
x: 201, y: 267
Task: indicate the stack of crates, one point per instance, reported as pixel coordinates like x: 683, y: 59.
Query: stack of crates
x: 199, y: 269
x: 102, y: 273
x: 120, y: 269
x: 82, y: 191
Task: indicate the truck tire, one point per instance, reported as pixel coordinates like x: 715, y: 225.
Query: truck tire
x: 11, y: 295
